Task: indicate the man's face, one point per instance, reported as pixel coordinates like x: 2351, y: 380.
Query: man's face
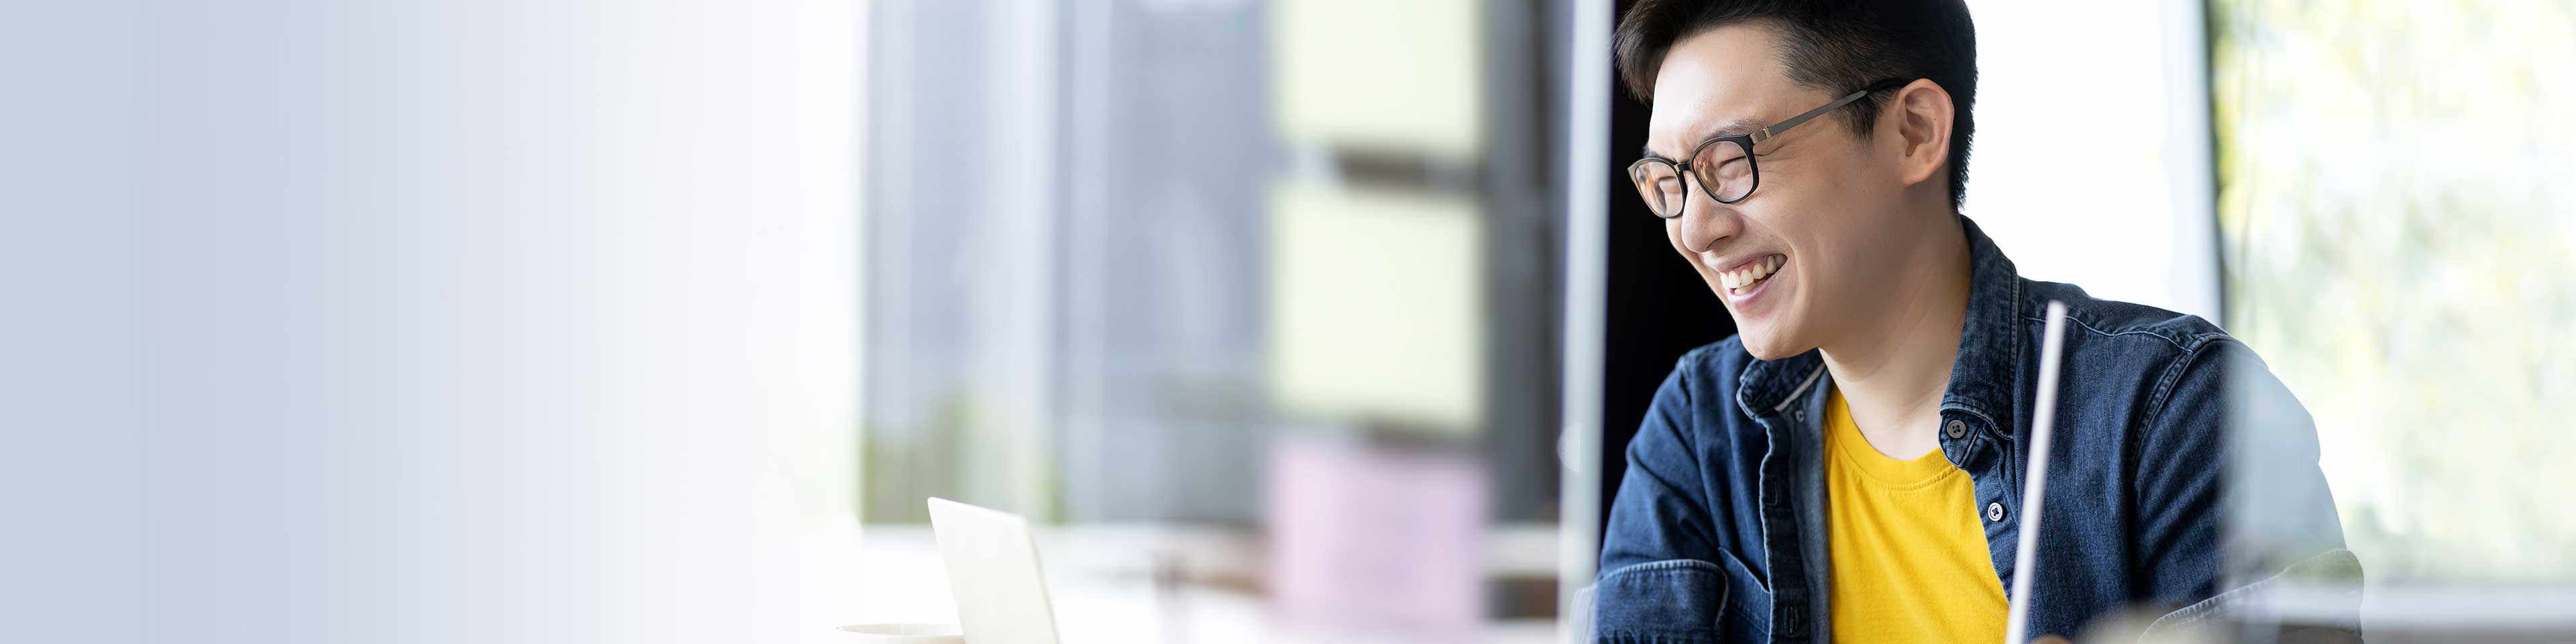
x: 1821, y: 213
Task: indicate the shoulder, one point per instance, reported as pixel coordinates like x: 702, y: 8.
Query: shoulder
x: 2113, y: 319
x: 2111, y: 336
x: 1710, y: 371
x: 2161, y: 355
x: 1699, y: 394
x: 1695, y: 415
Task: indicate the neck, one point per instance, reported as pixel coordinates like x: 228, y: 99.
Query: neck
x: 1894, y: 369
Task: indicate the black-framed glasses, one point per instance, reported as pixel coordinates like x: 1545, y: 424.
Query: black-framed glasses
x: 1723, y: 166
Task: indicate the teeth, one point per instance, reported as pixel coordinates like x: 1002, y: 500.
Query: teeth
x: 1751, y: 274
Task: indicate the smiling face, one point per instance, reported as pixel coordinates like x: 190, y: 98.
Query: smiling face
x: 1802, y: 262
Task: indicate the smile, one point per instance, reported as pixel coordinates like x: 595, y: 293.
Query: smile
x: 1744, y: 278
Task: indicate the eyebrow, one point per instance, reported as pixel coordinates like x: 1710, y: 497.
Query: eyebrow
x: 1722, y: 128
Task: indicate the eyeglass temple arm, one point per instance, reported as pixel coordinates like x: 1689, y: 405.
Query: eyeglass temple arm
x: 1765, y: 134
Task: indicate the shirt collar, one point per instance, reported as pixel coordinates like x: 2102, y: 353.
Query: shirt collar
x: 1982, y: 381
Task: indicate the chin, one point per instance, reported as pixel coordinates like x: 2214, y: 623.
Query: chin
x: 1763, y: 344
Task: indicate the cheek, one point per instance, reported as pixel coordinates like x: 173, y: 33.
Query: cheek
x: 1823, y: 181
x: 1827, y: 198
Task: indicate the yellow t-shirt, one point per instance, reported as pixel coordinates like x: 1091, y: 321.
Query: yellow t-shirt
x: 1909, y: 556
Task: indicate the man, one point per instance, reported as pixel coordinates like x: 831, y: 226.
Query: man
x: 1850, y: 464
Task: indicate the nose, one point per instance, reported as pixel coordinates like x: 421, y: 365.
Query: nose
x: 1704, y: 221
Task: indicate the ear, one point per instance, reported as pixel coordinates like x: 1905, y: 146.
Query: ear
x: 1922, y: 114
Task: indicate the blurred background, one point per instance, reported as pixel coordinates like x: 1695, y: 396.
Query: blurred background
x: 1290, y: 320
x: 2428, y: 141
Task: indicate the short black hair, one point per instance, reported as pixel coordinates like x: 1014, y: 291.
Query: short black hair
x: 1839, y: 46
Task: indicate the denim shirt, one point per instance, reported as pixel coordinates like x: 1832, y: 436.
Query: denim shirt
x: 1718, y: 530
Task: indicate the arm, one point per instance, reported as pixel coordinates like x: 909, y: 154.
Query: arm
x: 1661, y: 578
x: 2228, y: 443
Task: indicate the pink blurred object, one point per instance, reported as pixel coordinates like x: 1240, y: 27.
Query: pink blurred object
x: 1373, y: 539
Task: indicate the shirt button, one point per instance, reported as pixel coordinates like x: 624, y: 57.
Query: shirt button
x: 1994, y: 512
x: 1956, y: 428
x: 1801, y: 415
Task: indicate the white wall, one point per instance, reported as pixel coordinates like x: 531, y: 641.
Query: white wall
x: 2091, y: 159
x: 434, y: 322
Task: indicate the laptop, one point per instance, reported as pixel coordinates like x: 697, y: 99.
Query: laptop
x: 993, y: 574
